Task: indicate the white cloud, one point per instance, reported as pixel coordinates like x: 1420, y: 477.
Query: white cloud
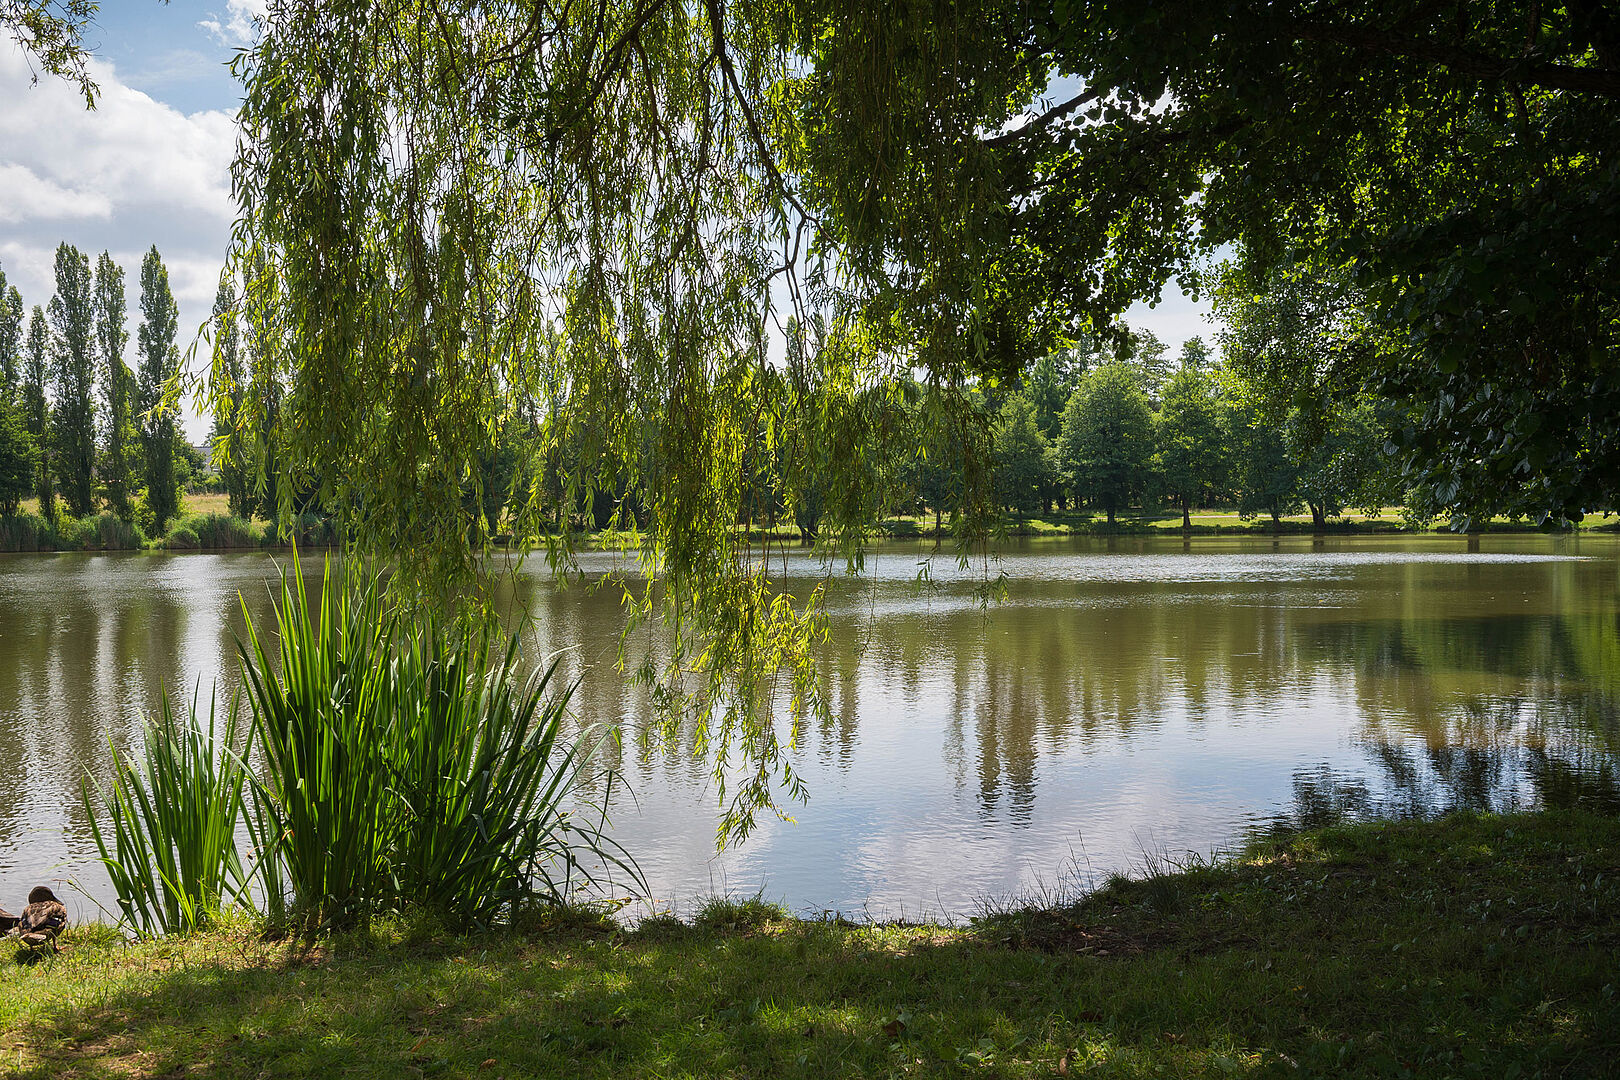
x: 26, y: 196
x: 129, y: 174
x: 238, y: 28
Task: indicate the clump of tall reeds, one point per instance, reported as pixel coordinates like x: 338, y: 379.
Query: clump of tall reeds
x: 167, y: 826
x: 404, y: 764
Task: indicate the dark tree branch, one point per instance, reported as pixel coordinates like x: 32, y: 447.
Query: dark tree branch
x: 717, y: 31
x: 1043, y: 121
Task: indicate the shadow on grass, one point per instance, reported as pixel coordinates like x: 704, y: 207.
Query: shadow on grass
x: 1468, y: 947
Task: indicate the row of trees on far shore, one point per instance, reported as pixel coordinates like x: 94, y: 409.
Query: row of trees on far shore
x: 76, y: 423
x: 1114, y: 432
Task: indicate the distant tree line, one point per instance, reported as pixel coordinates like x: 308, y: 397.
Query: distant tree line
x: 76, y: 424
x: 1268, y: 422
x: 1087, y: 429
x: 1104, y: 426
x: 1271, y: 425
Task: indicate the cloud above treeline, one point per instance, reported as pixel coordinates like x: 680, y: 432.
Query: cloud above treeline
x: 131, y: 173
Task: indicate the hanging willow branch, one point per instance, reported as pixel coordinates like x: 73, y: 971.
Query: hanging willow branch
x: 471, y: 225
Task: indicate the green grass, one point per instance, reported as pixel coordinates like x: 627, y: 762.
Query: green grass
x: 1471, y: 946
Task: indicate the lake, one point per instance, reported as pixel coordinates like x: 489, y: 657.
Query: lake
x: 1126, y: 699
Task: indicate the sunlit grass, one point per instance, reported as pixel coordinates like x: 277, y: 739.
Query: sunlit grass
x: 1472, y: 946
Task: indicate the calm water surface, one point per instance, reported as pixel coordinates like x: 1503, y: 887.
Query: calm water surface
x: 1127, y: 697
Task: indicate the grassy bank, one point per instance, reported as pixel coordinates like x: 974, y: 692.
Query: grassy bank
x: 192, y: 530
x: 205, y: 525
x: 1471, y: 946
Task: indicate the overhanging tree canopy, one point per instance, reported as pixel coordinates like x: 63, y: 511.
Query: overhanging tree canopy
x: 459, y: 215
x: 1459, y: 158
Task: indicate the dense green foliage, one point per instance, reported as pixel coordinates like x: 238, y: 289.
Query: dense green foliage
x: 76, y: 398
x: 1187, y: 430
x: 116, y: 384
x: 73, y: 379
x: 36, y: 409
x: 409, y: 764
x: 1107, y: 440
x: 1457, y: 162
x: 399, y: 766
x: 11, y: 340
x: 231, y: 450
x: 160, y: 364
x: 1021, y: 456
x: 166, y: 829
x: 19, y: 458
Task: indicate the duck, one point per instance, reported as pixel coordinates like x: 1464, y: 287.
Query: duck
x: 43, y: 919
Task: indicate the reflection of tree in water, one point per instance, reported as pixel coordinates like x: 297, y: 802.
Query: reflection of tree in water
x: 1060, y: 669
x: 1494, y: 756
x: 1049, y: 678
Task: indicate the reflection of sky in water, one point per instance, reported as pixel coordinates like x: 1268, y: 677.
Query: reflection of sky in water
x: 1127, y: 696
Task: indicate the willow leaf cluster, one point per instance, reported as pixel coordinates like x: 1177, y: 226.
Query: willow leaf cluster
x: 565, y: 228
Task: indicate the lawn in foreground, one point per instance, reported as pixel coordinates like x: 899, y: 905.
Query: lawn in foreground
x: 1471, y: 946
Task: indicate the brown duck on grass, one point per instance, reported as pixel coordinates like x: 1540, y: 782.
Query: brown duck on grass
x: 42, y: 919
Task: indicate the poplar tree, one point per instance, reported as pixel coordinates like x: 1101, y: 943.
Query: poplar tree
x: 72, y: 345
x: 229, y: 450
x: 160, y: 360
x: 36, y: 410
x: 11, y: 326
x: 116, y: 381
x: 262, y: 404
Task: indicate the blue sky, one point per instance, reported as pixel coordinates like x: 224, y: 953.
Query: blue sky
x: 176, y: 52
x: 151, y: 164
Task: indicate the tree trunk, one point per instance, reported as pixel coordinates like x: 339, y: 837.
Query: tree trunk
x: 1318, y: 516
x: 1186, y: 513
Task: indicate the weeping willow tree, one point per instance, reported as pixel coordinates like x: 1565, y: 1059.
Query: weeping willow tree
x: 579, y: 222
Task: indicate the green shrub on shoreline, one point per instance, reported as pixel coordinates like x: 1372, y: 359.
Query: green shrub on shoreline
x: 29, y: 532
x: 212, y: 532
x: 1470, y: 946
x: 97, y: 532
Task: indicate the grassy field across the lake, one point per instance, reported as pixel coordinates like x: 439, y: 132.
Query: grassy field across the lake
x: 1468, y: 946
